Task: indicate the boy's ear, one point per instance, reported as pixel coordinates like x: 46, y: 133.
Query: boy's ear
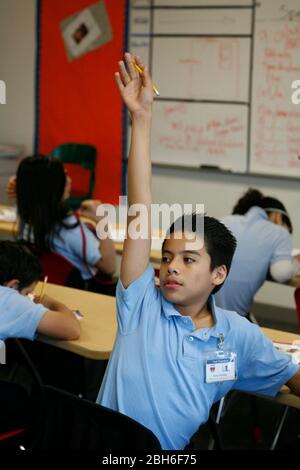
x: 219, y: 275
x: 13, y: 284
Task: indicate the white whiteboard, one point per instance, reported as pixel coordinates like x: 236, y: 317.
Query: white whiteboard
x: 211, y: 21
x: 194, y: 2
x: 194, y: 134
x: 209, y: 67
x: 275, y: 134
x: 202, y: 68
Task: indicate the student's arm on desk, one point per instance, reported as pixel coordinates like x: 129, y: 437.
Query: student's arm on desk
x: 59, y: 321
x: 137, y: 94
x: 11, y: 187
x: 294, y: 383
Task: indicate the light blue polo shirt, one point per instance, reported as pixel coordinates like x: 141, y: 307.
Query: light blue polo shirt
x: 156, y: 371
x: 69, y: 244
x: 260, y: 243
x: 19, y: 316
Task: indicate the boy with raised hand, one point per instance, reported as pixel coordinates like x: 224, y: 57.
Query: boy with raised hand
x: 177, y: 353
x: 20, y: 317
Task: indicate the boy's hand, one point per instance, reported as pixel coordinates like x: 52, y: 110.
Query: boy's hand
x: 88, y: 209
x: 135, y: 89
x: 52, y: 304
x: 47, y: 301
x: 11, y: 187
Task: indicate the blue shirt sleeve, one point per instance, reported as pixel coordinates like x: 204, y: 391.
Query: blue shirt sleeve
x: 133, y: 300
x: 283, y: 246
x: 261, y: 367
x: 19, y: 316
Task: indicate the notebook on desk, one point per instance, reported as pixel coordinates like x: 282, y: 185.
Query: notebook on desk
x: 292, y: 349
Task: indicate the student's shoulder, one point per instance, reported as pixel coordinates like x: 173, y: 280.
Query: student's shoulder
x: 282, y: 232
x: 6, y: 293
x: 143, y: 286
x: 235, y: 219
x: 231, y: 317
x: 17, y: 303
x: 71, y: 220
x: 237, y: 324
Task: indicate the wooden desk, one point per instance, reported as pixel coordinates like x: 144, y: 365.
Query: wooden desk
x: 7, y: 228
x: 98, y: 325
x: 285, y: 397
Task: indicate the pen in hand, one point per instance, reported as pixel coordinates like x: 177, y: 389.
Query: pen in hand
x: 141, y: 73
x: 43, y: 288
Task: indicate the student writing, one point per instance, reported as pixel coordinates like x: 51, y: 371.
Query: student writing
x: 20, y: 317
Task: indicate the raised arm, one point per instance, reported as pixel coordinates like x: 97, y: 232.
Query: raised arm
x: 137, y: 94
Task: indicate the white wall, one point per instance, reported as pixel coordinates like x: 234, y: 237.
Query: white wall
x: 218, y: 192
x: 17, y: 58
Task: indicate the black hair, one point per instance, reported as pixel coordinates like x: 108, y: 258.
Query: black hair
x: 41, y: 183
x: 18, y: 262
x: 253, y: 197
x: 219, y: 242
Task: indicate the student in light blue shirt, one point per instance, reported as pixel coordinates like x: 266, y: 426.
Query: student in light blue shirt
x: 20, y: 317
x: 176, y: 353
x: 262, y: 228
x: 42, y: 186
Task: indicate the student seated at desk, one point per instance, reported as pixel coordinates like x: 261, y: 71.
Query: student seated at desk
x: 176, y: 353
x: 20, y: 317
x: 42, y: 186
x: 262, y: 227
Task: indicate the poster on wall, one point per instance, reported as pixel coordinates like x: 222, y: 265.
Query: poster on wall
x: 86, y: 30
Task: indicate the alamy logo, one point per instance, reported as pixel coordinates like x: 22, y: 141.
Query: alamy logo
x: 2, y: 92
x: 296, y: 94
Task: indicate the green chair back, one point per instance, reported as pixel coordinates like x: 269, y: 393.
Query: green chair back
x: 83, y: 155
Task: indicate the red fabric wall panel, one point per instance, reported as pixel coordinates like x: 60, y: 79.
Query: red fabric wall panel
x: 78, y: 100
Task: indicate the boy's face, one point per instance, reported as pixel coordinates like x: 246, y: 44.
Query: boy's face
x: 185, y: 276
x: 276, y: 218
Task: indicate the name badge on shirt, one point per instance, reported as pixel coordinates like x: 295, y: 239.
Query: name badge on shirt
x: 220, y: 366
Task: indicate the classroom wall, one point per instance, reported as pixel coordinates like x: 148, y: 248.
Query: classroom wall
x: 217, y: 191
x: 17, y: 58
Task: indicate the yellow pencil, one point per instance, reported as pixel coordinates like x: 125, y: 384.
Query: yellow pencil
x: 43, y: 287
x: 141, y: 73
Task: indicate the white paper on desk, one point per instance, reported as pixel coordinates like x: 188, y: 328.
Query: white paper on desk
x: 292, y: 349
x: 8, y: 215
x: 295, y: 251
